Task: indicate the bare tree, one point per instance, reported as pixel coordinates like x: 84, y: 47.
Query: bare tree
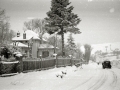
x: 37, y: 25
x: 29, y: 25
x: 4, y: 27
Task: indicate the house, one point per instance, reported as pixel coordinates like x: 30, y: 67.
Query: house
x: 29, y: 42
x: 45, y: 50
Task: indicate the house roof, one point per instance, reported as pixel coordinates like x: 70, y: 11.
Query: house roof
x: 29, y: 34
x: 19, y: 44
x: 43, y: 46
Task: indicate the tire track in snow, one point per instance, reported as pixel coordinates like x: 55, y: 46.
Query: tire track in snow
x: 99, y: 82
x: 114, y: 82
x: 87, y: 81
x: 81, y: 83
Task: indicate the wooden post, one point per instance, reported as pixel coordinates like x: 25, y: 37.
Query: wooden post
x: 19, y: 57
x: 64, y: 62
x: 39, y: 65
x: 21, y: 64
x: 56, y: 61
x: 55, y: 55
x: 70, y: 59
x: 0, y: 67
x: 41, y: 61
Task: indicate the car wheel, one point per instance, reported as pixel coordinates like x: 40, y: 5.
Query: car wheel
x: 110, y: 67
x: 103, y: 67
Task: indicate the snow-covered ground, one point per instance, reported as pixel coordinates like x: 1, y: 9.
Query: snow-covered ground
x: 91, y: 77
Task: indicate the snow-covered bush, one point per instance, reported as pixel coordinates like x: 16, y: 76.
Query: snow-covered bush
x: 8, y: 67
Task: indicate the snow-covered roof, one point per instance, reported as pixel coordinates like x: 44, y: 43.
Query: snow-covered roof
x: 29, y: 34
x: 42, y: 46
x: 19, y: 44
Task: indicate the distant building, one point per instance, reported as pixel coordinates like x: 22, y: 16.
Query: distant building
x: 29, y: 42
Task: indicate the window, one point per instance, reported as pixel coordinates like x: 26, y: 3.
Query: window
x: 26, y: 51
x: 45, y: 54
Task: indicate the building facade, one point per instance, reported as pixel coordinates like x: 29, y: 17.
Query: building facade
x: 31, y: 45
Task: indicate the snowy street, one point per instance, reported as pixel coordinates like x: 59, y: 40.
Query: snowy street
x: 91, y: 77
x: 59, y: 44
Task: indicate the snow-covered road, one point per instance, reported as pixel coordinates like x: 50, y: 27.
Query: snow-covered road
x: 91, y: 77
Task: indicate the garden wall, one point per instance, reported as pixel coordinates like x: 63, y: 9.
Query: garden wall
x: 31, y: 64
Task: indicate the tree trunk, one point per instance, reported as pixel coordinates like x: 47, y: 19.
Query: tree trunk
x: 41, y: 41
x: 62, y: 36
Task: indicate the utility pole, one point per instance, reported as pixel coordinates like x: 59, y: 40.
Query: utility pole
x: 106, y: 48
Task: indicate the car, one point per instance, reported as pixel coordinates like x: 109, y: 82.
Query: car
x: 106, y: 64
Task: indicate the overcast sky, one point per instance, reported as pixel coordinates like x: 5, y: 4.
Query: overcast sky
x: 100, y: 18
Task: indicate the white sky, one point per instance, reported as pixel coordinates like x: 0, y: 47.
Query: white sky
x: 100, y: 18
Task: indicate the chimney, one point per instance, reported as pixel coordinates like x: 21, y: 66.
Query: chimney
x: 18, y: 34
x: 24, y: 35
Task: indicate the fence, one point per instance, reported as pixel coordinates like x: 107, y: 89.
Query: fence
x: 26, y: 65
x: 38, y: 64
x: 66, y: 62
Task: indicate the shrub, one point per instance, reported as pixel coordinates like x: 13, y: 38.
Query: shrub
x: 7, y: 68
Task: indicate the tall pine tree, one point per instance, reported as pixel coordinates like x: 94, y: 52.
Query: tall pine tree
x: 61, y: 19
